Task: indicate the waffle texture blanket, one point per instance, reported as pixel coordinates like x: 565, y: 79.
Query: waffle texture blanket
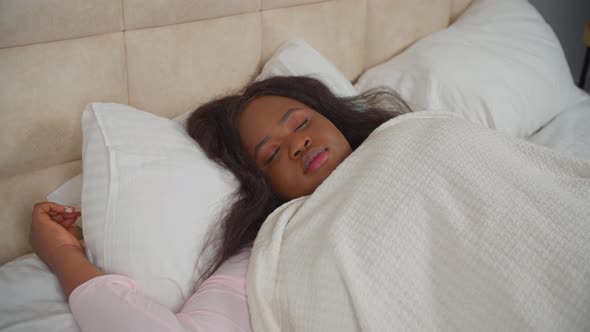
x: 433, y: 223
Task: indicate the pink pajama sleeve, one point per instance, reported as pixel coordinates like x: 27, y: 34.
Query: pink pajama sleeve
x: 112, y: 303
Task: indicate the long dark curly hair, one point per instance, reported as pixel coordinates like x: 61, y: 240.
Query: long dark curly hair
x: 214, y: 126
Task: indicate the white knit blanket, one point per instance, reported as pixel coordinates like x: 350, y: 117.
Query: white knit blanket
x: 433, y: 223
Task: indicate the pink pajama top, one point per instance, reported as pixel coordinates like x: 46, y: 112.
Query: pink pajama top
x: 111, y: 303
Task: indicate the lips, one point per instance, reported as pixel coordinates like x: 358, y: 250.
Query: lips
x: 312, y: 158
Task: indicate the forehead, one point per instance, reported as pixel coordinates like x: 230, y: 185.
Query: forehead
x: 268, y: 107
x: 263, y: 112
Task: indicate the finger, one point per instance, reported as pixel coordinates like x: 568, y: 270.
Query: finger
x: 58, y: 218
x: 62, y: 219
x: 74, y: 215
x: 54, y: 207
x: 68, y: 222
x: 76, y: 232
x: 66, y: 214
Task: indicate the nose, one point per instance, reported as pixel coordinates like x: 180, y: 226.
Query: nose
x: 298, y: 146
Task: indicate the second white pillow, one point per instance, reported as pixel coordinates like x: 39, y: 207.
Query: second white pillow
x: 499, y: 65
x: 297, y: 58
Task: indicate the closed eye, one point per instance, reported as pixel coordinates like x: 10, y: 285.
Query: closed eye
x: 302, y: 124
x: 276, y: 152
x: 272, y: 156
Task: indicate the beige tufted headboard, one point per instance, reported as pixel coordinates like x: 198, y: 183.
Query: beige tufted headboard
x: 161, y: 56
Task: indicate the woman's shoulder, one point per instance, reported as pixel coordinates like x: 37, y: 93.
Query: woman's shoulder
x: 237, y: 265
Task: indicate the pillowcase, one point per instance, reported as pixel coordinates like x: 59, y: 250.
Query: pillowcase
x: 70, y: 193
x: 297, y: 58
x: 568, y: 132
x: 499, y: 65
x: 149, y: 196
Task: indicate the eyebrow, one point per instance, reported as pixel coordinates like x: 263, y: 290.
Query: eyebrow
x: 267, y: 138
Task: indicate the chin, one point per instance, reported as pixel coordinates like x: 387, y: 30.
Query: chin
x: 324, y: 173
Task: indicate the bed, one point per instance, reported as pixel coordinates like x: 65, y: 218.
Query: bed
x: 67, y: 67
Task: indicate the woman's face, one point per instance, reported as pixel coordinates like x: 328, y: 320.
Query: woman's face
x: 294, y: 146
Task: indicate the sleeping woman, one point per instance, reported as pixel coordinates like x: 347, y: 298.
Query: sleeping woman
x: 353, y: 215
x: 281, y: 138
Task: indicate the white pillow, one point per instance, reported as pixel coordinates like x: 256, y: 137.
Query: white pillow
x: 297, y: 58
x: 70, y: 193
x: 149, y: 196
x: 499, y: 64
x: 568, y: 132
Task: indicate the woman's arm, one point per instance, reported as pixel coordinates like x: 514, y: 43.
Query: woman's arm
x: 72, y: 268
x: 113, y: 303
x: 108, y: 302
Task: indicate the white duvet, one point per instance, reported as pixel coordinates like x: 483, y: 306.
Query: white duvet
x: 432, y: 224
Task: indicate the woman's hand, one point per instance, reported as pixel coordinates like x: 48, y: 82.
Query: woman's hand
x: 55, y: 240
x: 53, y: 231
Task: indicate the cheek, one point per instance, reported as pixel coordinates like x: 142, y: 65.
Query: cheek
x: 336, y: 140
x: 287, y: 180
x: 282, y: 178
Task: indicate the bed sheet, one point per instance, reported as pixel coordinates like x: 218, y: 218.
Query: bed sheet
x: 569, y: 131
x: 31, y: 298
